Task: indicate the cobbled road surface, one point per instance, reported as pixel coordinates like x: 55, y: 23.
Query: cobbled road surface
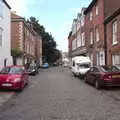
x: 55, y: 94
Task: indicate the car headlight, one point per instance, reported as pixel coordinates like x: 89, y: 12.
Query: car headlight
x: 17, y: 80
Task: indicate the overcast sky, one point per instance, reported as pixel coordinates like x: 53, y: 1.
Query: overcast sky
x: 55, y: 15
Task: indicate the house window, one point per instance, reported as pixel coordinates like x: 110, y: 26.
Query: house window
x: 100, y: 58
x: 91, y: 58
x: 78, y: 40
x: 1, y: 9
x: 97, y: 10
x: 116, y: 59
x: 74, y: 44
x: 115, y: 32
x: 83, y: 39
x: 91, y: 37
x: 91, y: 16
x: 82, y: 21
x: 97, y: 34
x: 1, y: 34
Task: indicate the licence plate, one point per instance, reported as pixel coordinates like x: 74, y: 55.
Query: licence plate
x: 6, y: 85
x: 115, y: 76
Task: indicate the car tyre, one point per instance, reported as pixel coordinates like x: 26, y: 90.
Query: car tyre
x: 97, y: 85
x: 85, y: 79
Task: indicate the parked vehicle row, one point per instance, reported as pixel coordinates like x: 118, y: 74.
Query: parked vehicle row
x: 103, y: 76
x: 80, y: 65
x: 99, y: 76
x: 13, y: 77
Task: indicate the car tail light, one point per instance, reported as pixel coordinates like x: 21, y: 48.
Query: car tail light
x: 106, y: 77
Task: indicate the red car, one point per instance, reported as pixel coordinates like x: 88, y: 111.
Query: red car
x: 101, y: 76
x: 13, y: 77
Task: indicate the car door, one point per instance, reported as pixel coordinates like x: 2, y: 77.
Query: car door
x: 89, y: 75
x: 94, y: 74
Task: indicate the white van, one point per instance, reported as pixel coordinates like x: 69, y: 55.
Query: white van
x: 80, y: 65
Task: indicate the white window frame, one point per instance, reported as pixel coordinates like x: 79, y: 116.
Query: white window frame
x: 1, y: 36
x: 97, y: 10
x: 116, y: 59
x: 91, y: 58
x: 83, y: 39
x: 91, y: 16
x: 114, y: 33
x: 97, y: 34
x: 82, y: 21
x: 1, y: 9
x: 91, y: 37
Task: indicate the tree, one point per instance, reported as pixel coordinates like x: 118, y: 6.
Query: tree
x: 48, y: 42
x: 16, y: 52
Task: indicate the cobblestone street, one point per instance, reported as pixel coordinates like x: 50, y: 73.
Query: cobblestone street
x: 55, y: 94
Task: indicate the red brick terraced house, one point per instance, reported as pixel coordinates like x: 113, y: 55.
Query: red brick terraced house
x: 95, y: 15
x: 112, y: 29
x: 38, y: 49
x: 76, y: 38
x: 24, y: 37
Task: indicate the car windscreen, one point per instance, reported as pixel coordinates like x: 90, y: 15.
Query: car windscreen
x: 109, y: 69
x: 84, y: 65
x: 11, y: 70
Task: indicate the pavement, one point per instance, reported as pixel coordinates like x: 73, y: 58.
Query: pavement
x: 55, y: 94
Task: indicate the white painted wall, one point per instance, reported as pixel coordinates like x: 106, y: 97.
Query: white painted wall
x: 5, y: 24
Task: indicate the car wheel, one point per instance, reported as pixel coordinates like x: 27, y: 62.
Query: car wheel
x: 97, y: 85
x: 85, y: 79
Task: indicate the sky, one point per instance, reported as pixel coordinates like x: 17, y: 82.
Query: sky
x: 55, y: 15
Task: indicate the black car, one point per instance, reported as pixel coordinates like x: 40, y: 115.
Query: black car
x: 33, y: 70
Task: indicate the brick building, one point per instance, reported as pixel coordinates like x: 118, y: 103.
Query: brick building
x: 95, y: 15
x: 76, y: 37
x: 94, y: 31
x: 24, y: 37
x: 38, y: 49
x: 112, y: 27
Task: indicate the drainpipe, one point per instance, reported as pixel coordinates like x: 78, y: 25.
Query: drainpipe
x: 105, y: 43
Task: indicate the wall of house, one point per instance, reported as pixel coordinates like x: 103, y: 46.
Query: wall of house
x: 111, y: 6
x: 113, y: 50
x: 97, y: 21
x: 5, y: 49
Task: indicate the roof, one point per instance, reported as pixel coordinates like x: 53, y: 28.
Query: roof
x: 112, y: 16
x: 14, y: 16
x: 90, y: 6
x: 81, y: 59
x: 6, y: 4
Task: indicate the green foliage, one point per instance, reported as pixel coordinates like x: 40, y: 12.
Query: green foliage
x: 16, y: 52
x: 48, y: 42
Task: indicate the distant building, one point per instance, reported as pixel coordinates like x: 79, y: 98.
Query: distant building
x: 38, y: 49
x: 26, y: 39
x: 5, y: 33
x: 76, y: 38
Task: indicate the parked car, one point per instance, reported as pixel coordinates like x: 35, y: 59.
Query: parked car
x: 55, y: 64
x: 65, y: 64
x: 45, y: 65
x: 80, y: 65
x: 102, y: 76
x: 13, y: 77
x: 33, y: 70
